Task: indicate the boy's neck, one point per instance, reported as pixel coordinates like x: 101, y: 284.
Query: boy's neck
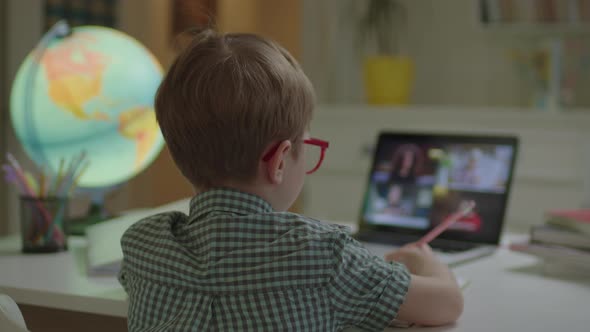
x: 255, y: 189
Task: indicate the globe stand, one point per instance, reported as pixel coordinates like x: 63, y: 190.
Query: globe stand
x: 77, y: 226
x: 96, y: 213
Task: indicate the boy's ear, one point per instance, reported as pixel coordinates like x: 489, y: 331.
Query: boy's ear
x: 275, y: 167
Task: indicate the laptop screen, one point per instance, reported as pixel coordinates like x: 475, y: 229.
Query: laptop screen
x: 417, y: 180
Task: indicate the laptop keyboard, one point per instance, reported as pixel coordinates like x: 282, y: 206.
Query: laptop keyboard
x: 451, y: 246
x: 401, y: 239
x: 382, y: 238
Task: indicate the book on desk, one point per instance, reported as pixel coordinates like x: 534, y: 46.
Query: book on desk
x: 563, y: 242
x: 104, y: 253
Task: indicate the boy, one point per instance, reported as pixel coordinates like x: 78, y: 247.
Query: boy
x: 234, y: 110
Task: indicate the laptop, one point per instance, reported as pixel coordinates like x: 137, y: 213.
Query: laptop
x: 416, y: 180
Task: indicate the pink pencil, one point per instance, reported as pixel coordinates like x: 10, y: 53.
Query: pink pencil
x: 446, y: 223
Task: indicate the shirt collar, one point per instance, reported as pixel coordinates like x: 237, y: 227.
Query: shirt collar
x: 227, y: 200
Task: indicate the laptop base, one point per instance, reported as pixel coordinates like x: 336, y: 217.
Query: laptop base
x: 451, y: 259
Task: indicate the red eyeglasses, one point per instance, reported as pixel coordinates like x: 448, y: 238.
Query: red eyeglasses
x: 313, y: 159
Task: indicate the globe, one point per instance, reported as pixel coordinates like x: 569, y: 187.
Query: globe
x: 91, y: 90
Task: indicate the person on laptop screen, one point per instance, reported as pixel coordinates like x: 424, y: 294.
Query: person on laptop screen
x: 405, y: 165
x: 235, y: 110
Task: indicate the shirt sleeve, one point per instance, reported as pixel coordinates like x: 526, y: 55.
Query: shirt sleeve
x: 365, y: 291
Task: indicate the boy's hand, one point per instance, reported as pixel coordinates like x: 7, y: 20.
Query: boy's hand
x: 419, y: 259
x: 433, y: 298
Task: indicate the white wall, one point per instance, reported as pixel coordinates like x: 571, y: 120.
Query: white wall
x: 552, y: 163
x: 457, y: 61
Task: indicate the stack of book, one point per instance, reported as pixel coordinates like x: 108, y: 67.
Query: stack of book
x: 563, y: 241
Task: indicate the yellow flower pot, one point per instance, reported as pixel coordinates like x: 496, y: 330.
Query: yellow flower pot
x: 388, y: 79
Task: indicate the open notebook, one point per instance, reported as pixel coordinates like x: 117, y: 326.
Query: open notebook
x: 104, y: 253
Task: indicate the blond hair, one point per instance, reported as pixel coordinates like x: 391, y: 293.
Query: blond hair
x: 227, y: 97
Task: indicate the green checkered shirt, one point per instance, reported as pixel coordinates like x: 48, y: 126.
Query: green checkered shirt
x: 235, y: 264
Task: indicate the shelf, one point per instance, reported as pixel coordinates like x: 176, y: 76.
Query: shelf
x: 538, y: 29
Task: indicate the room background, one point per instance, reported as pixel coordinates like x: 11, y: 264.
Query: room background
x: 459, y: 65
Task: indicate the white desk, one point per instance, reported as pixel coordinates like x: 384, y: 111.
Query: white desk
x: 58, y: 280
x: 507, y: 291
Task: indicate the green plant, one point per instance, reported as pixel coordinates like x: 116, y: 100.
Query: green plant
x: 383, y: 23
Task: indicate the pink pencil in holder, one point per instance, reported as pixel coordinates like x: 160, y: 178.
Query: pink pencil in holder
x: 447, y: 223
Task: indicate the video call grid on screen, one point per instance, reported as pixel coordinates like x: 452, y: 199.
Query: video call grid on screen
x: 418, y: 180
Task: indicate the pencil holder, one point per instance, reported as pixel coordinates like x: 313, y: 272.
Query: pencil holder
x: 43, y: 224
